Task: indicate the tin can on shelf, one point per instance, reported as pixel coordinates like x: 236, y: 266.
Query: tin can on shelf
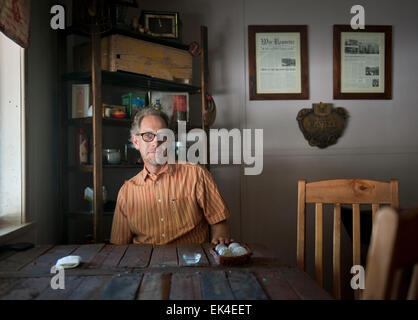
x: 111, y: 156
x: 133, y: 103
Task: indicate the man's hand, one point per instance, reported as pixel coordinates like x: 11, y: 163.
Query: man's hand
x: 220, y: 233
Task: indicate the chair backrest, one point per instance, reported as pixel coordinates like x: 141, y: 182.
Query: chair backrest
x: 338, y: 192
x: 392, y: 260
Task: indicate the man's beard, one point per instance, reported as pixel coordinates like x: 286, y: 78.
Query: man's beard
x: 152, y: 160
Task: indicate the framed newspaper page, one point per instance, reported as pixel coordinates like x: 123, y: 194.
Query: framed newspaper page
x: 362, y: 62
x: 278, y: 62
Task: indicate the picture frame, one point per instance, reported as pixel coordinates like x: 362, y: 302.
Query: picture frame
x: 162, y: 24
x: 362, y: 62
x: 278, y: 62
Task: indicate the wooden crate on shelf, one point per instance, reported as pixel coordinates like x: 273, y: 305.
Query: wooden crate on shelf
x: 138, y: 56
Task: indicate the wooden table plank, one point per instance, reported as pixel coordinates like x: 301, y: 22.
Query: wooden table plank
x: 207, y: 247
x: 108, y: 258
x: 43, y: 263
x: 122, y: 287
x: 91, y: 288
x: 185, y: 286
x: 154, y: 286
x: 26, y: 289
x: 275, y: 286
x: 245, y: 286
x: 303, y: 285
x: 6, y: 285
x: 164, y: 256
x: 5, y: 253
x: 136, y: 256
x: 186, y: 253
x: 71, y: 285
x: 87, y: 253
x: 215, y: 286
x: 21, y: 259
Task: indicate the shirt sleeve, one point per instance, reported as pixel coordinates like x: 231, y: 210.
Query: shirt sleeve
x: 209, y: 198
x: 121, y: 233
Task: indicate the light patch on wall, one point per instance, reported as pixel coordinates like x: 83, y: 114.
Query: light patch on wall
x: 10, y: 127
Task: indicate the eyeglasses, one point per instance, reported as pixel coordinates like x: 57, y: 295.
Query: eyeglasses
x: 149, y: 136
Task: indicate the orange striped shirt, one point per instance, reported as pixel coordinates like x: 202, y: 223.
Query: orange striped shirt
x: 174, y: 206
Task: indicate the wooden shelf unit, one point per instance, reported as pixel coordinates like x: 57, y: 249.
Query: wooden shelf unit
x: 97, y: 78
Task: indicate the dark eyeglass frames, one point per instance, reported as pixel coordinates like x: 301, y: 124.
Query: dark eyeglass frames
x: 149, y: 136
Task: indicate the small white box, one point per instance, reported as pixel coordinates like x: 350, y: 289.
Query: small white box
x: 80, y: 100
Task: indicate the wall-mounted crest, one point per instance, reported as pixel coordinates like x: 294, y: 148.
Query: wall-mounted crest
x: 322, y: 125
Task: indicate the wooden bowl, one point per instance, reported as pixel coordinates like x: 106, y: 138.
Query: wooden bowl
x: 118, y: 114
x: 230, y: 261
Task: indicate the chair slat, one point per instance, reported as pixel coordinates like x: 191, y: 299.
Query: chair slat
x: 375, y: 208
x: 395, y: 192
x: 337, y: 251
x: 300, y: 254
x: 319, y: 243
x: 356, y: 241
x: 356, y: 234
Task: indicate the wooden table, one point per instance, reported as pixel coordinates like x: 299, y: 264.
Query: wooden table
x: 143, y: 272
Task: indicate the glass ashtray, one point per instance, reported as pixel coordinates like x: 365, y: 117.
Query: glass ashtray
x: 192, y: 258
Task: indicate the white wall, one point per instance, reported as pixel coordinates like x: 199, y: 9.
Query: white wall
x: 380, y: 140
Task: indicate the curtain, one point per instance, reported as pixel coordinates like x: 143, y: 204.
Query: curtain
x: 14, y: 20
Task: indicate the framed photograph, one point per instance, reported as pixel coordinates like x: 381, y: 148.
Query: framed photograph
x: 161, y: 24
x: 278, y: 62
x: 81, y: 100
x: 362, y: 62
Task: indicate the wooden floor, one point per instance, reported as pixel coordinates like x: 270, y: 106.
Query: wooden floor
x: 142, y: 272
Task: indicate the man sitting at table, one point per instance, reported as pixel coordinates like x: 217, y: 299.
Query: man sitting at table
x: 170, y: 203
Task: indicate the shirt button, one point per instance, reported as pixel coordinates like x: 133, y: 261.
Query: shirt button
x: 162, y: 219
x: 159, y: 200
x: 163, y: 235
x: 158, y: 182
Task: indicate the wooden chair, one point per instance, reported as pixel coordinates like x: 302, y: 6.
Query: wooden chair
x: 337, y: 192
x: 392, y: 260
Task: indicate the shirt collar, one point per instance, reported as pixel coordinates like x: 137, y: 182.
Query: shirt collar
x: 144, y: 174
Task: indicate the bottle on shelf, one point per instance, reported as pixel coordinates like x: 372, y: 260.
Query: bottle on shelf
x: 82, y: 144
x: 157, y: 105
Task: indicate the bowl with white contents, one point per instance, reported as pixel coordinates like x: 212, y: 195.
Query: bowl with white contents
x: 234, y: 254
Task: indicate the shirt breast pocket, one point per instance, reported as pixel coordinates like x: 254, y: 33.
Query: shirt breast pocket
x: 185, y: 212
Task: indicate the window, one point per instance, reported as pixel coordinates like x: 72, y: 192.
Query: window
x: 12, y: 135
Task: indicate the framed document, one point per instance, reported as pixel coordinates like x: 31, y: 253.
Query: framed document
x: 362, y: 62
x: 278, y: 62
